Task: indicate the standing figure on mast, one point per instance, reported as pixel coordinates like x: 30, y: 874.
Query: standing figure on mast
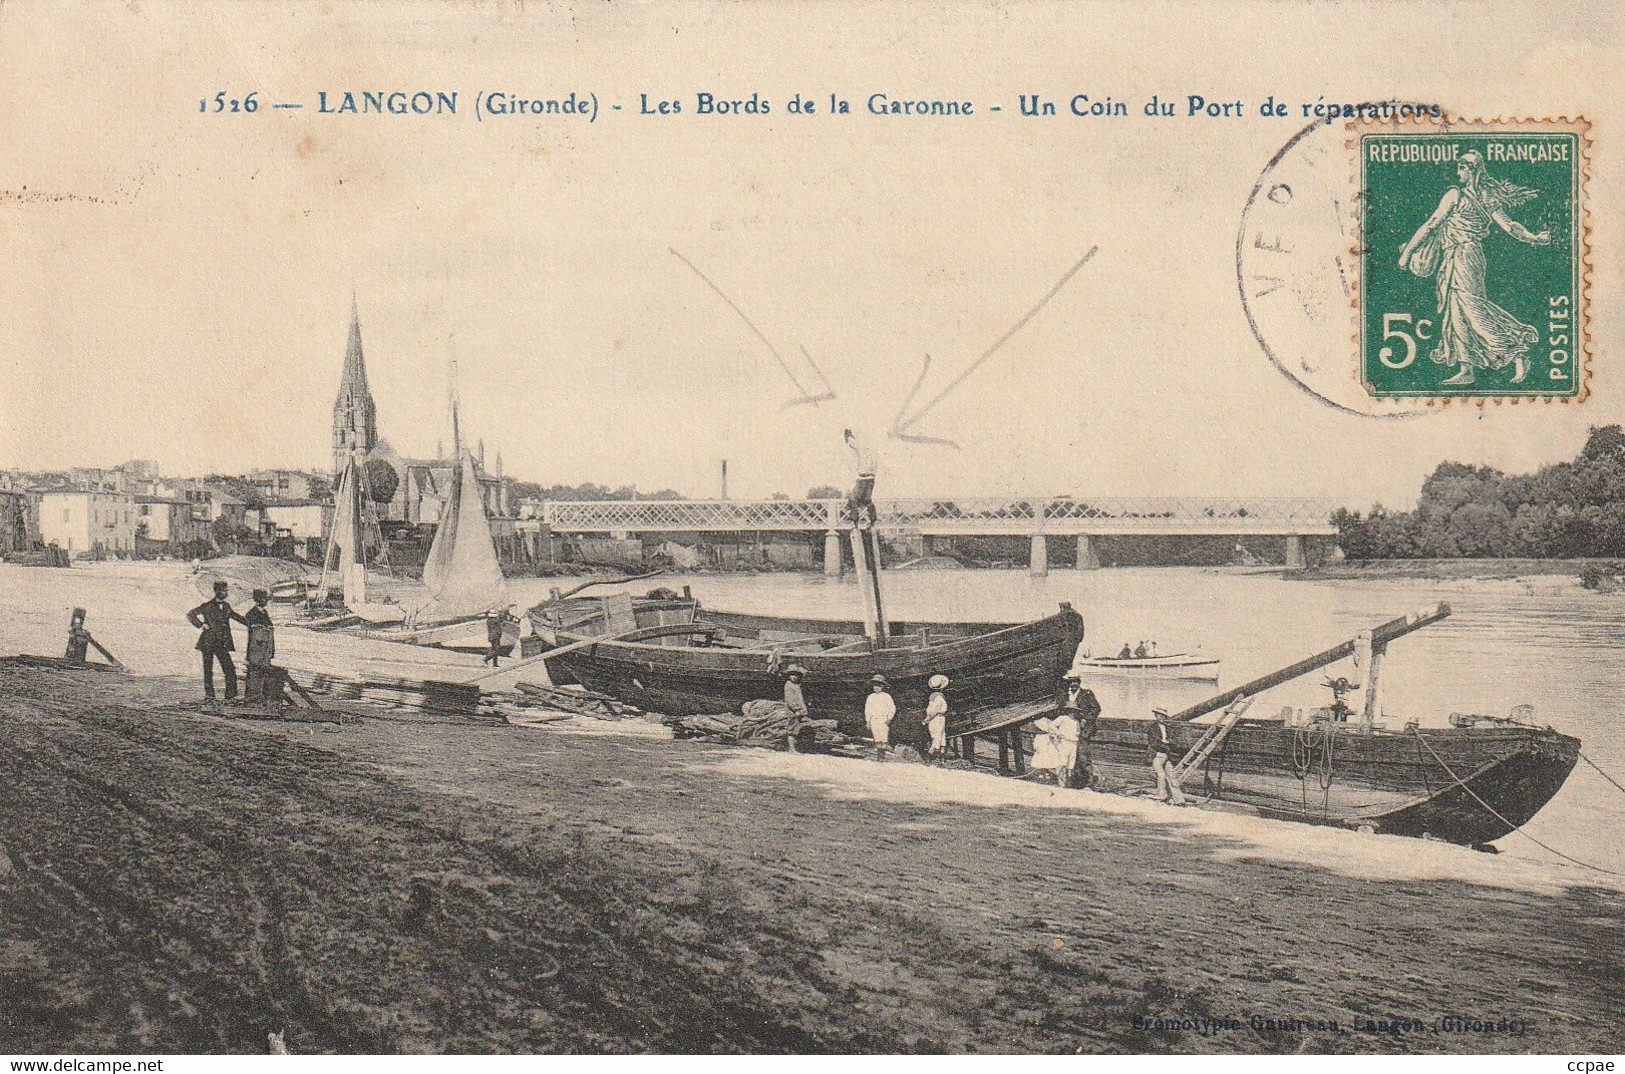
x: 860, y: 504
x: 861, y: 515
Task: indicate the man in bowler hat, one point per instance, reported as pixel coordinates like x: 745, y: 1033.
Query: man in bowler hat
x: 214, y: 619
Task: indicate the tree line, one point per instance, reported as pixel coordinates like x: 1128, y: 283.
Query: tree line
x: 1562, y: 511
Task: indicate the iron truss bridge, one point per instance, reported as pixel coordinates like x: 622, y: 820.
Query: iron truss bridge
x: 979, y: 516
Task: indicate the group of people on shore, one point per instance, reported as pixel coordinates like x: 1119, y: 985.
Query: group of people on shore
x: 213, y: 618
x: 879, y: 709
x: 1061, y: 744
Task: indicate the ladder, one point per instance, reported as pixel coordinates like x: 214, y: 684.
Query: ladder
x: 1210, y: 741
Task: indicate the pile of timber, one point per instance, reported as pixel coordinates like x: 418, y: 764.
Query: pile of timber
x: 577, y: 701
x: 451, y: 700
x: 44, y: 557
x: 761, y: 723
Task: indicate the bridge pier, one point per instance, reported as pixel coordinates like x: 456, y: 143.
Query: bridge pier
x: 832, y: 554
x: 1038, y: 562
x: 1294, y: 552
x: 1088, y: 558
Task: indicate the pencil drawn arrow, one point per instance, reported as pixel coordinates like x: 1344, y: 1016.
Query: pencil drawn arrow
x: 897, y: 428
x: 900, y: 428
x: 804, y: 397
x: 827, y: 394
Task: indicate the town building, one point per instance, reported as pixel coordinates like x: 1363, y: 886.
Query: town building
x: 210, y: 502
x: 423, y: 485
x: 138, y: 476
x: 288, y: 486
x: 299, y: 521
x: 89, y: 522
x: 168, y: 524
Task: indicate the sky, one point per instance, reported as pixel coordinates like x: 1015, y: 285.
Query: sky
x: 177, y: 284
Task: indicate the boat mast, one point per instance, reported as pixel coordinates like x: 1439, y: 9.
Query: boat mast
x: 456, y: 429
x: 865, y: 540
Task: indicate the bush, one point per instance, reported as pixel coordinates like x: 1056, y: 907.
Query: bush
x: 1567, y: 510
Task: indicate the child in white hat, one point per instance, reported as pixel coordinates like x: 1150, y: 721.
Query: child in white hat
x: 878, y: 710
x: 936, y: 715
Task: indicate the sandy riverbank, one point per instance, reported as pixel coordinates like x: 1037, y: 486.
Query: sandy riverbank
x: 174, y: 881
x: 1535, y: 577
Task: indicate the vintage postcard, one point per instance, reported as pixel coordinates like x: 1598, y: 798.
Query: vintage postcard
x: 979, y: 528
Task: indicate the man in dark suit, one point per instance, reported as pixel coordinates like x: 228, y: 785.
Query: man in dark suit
x: 1086, y: 707
x: 214, y: 619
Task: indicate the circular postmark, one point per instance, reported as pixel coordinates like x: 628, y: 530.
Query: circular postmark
x: 1295, y: 269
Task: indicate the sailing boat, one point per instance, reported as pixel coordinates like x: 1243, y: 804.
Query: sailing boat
x: 344, y: 566
x: 462, y: 576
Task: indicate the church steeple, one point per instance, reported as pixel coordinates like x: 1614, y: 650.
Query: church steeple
x: 355, y: 416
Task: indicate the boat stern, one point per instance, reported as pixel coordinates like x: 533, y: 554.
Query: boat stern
x: 1486, y: 804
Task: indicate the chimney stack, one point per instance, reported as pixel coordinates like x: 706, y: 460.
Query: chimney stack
x: 724, y: 479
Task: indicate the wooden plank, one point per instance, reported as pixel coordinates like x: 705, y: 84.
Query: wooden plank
x: 300, y: 690
x: 61, y: 663
x: 111, y: 659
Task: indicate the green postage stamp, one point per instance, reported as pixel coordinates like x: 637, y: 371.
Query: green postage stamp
x: 1473, y: 260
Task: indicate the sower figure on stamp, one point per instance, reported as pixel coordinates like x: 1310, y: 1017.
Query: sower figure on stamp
x: 1474, y: 333
x: 214, y: 619
x: 1160, y: 747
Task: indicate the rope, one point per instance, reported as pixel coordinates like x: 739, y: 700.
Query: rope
x: 1312, y: 749
x: 1600, y: 772
x: 1492, y: 811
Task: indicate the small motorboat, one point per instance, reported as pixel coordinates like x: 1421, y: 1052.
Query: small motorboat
x: 1169, y: 666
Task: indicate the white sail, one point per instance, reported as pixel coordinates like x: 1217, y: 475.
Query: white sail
x: 462, y: 573
x: 346, y: 551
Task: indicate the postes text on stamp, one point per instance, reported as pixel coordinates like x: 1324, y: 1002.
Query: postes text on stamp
x: 1473, y: 260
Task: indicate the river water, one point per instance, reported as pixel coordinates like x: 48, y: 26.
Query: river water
x: 1505, y: 643
x: 1546, y: 644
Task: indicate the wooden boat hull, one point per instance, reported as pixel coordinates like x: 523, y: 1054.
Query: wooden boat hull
x: 1339, y: 774
x: 466, y: 636
x: 990, y: 666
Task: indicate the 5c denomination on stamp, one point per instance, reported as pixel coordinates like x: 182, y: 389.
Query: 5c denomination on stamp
x: 1472, y: 259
